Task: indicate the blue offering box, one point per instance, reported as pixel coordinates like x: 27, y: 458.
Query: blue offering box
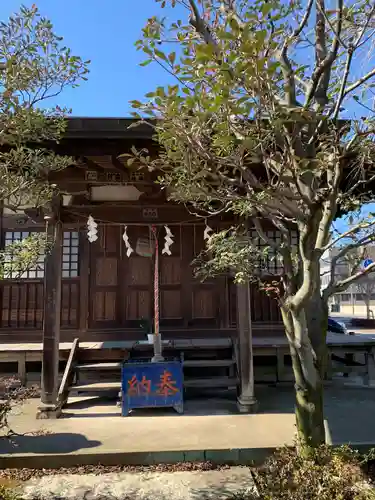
x: 151, y: 385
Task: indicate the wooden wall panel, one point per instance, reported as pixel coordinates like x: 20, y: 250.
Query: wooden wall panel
x: 138, y: 305
x: 205, y: 297
x: 171, y: 285
x: 22, y: 305
x: 105, y: 278
x: 106, y: 271
x: 170, y: 304
x: 263, y: 307
x: 204, y: 306
x: 170, y: 270
x: 70, y: 305
x: 137, y: 289
x: 105, y: 306
x: 139, y: 271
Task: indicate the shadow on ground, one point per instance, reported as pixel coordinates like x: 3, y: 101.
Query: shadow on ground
x: 57, y: 443
x: 349, y: 411
x: 224, y: 403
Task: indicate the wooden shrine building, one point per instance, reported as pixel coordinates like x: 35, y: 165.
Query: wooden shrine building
x: 96, y: 291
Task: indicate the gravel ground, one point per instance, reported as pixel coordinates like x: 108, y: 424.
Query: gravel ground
x: 19, y: 475
x: 151, y: 484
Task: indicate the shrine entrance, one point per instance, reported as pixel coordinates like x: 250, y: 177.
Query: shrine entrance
x: 122, y: 280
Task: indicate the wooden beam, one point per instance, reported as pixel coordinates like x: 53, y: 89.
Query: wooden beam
x: 99, y: 162
x: 52, y: 315
x: 247, y: 402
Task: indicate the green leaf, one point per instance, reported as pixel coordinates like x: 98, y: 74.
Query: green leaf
x: 136, y: 104
x: 160, y: 54
x: 266, y: 8
x: 261, y: 36
x: 227, y: 35
x: 146, y: 62
x: 172, y: 57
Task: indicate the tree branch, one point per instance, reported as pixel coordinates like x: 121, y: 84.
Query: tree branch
x: 201, y: 27
x: 351, y: 49
x: 286, y: 67
x: 341, y: 95
x: 334, y: 173
x: 321, y: 75
x: 343, y: 284
x: 351, y: 231
x: 359, y: 82
x: 331, y: 287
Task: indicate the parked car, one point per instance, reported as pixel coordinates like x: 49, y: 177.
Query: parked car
x: 337, y: 327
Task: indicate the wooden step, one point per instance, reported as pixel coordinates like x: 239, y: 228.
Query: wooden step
x: 97, y: 387
x: 208, y: 362
x: 211, y: 383
x: 100, y: 366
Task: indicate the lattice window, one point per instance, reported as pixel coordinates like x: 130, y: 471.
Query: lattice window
x: 272, y: 263
x: 35, y: 272
x: 137, y: 176
x: 70, y: 254
x: 69, y: 258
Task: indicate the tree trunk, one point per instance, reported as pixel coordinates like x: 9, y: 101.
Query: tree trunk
x: 309, y: 400
x: 308, y: 367
x: 317, y: 324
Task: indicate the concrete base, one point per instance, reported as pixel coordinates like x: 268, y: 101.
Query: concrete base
x: 247, y: 405
x: 157, y: 358
x: 48, y: 412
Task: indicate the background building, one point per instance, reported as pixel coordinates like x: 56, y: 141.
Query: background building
x: 358, y: 299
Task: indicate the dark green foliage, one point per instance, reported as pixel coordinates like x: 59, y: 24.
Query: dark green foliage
x: 329, y: 474
x: 7, y: 493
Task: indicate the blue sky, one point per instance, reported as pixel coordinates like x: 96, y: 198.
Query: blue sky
x: 105, y: 32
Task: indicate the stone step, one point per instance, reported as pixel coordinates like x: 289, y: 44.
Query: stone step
x: 188, y: 363
x: 97, y: 387
x: 210, y: 383
x: 208, y: 362
x: 100, y: 366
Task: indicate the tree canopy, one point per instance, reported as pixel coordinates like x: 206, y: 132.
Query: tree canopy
x: 35, y: 66
x: 270, y: 119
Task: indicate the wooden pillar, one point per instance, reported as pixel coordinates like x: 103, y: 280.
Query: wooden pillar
x: 246, y: 402
x: 52, y: 316
x: 84, y: 282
